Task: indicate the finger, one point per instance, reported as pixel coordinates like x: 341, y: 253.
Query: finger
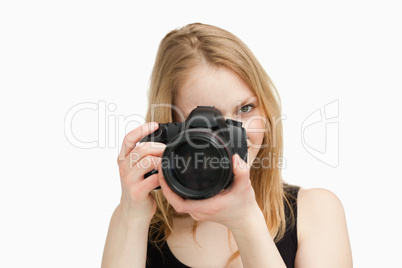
x: 241, y: 178
x: 144, y: 166
x: 134, y: 136
x: 240, y: 168
x: 141, y: 190
x: 146, y: 148
x: 150, y: 183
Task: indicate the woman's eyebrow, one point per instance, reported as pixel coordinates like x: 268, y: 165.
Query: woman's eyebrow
x: 245, y: 101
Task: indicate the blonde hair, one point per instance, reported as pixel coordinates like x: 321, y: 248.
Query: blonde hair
x: 179, y: 52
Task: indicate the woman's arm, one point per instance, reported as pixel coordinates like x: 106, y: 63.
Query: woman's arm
x: 323, y: 234
x: 237, y: 209
x: 256, y: 246
x: 126, y: 242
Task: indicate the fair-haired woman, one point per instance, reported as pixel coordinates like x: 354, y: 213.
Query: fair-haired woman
x: 259, y: 220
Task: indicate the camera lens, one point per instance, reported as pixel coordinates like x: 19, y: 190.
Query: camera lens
x: 199, y: 168
x: 197, y: 164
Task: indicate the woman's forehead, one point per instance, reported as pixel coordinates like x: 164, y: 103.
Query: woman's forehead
x: 219, y: 87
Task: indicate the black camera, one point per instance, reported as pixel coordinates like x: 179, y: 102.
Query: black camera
x: 197, y: 161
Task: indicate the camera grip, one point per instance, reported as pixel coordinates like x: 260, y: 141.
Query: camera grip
x: 152, y: 172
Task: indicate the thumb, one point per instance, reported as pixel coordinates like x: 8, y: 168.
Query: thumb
x: 240, y: 167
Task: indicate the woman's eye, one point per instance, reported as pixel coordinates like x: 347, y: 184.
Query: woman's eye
x: 246, y: 108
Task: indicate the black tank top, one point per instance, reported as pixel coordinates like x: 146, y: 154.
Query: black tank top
x: 287, y: 246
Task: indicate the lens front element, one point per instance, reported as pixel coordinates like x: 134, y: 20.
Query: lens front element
x: 198, y: 164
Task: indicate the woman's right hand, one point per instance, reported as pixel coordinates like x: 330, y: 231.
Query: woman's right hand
x: 135, y: 160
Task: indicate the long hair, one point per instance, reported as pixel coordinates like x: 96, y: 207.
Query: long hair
x: 179, y: 52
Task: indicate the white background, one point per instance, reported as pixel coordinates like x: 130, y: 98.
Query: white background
x: 56, y: 199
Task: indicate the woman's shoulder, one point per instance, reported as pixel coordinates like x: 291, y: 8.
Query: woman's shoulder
x: 322, y: 229
x: 321, y: 222
x: 315, y: 200
x: 317, y: 205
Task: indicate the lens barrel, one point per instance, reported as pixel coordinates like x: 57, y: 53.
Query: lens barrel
x: 197, y: 163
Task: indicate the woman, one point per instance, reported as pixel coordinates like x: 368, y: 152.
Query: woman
x: 258, y: 221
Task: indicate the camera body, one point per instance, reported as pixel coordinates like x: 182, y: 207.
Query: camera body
x: 197, y: 161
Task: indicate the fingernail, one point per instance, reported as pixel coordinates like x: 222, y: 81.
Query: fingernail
x: 153, y: 125
x: 237, y: 159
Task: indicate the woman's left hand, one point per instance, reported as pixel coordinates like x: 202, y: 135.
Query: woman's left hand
x: 235, y: 207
